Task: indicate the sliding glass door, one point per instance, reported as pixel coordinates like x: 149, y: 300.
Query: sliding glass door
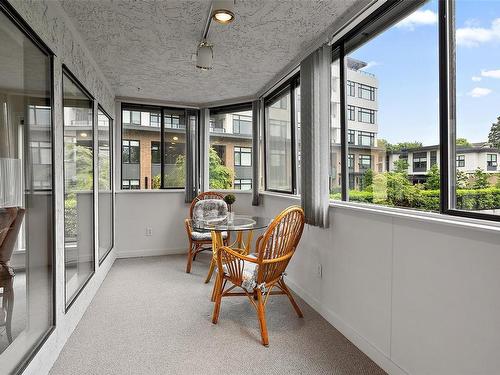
x: 26, y: 193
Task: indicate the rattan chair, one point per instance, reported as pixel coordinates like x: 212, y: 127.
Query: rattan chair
x: 199, y: 241
x: 258, y: 275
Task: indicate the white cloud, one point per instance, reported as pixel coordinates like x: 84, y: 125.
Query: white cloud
x: 476, y: 78
x: 491, y: 73
x: 418, y: 18
x: 473, y: 36
x: 478, y: 92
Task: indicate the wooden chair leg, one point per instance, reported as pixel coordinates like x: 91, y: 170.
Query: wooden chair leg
x: 210, y: 271
x: 262, y: 319
x: 290, y: 297
x: 218, y: 288
x: 190, y: 257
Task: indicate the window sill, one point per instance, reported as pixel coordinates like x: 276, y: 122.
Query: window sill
x: 428, y: 217
x: 144, y: 191
x: 232, y: 191
x: 280, y: 195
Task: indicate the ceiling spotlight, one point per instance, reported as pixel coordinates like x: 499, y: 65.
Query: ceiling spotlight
x: 222, y: 11
x: 175, y: 138
x: 205, y: 56
x: 84, y: 135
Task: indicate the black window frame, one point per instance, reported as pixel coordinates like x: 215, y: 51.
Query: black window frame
x: 371, y: 113
x: 351, y: 88
x: 366, y: 88
x: 419, y: 161
x: 365, y: 134
x: 240, y: 152
x: 66, y: 71
x: 460, y: 160
x: 128, y: 106
x: 287, y: 87
x: 10, y: 12
x: 129, y: 147
x: 351, y: 113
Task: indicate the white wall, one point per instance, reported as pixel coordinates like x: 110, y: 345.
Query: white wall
x: 417, y: 296
x: 53, y: 26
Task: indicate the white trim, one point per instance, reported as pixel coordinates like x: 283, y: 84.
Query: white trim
x: 375, y: 354
x: 121, y: 254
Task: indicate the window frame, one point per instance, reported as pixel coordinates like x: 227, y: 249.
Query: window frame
x: 240, y: 152
x: 162, y: 113
x: 288, y: 87
x: 112, y: 177
x: 77, y: 83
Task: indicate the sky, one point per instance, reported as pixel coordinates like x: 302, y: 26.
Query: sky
x: 405, y: 60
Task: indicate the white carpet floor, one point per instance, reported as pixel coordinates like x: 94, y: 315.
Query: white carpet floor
x: 150, y: 317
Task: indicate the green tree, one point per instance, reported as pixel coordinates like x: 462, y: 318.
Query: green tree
x: 494, y: 135
x: 401, y: 166
x: 462, y: 142
x: 480, y: 179
x: 367, y: 180
x: 433, y: 178
x: 462, y: 179
x: 403, y: 146
x: 220, y: 176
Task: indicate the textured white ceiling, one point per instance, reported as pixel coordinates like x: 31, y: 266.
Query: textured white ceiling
x: 149, y: 44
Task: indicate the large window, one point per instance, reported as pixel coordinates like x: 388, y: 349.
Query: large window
x: 26, y: 194
x: 279, y: 146
x: 145, y: 139
x: 230, y: 153
x: 78, y: 185
x: 475, y: 190
x: 382, y: 126
x: 105, y: 173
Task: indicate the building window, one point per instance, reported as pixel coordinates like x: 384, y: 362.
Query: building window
x: 230, y: 153
x: 366, y: 115
x: 460, y: 161
x: 131, y: 151
x: 351, y: 88
x: 350, y: 161
x: 78, y: 128
x: 243, y: 184
x: 280, y: 158
x: 383, y: 140
x: 242, y: 124
x: 163, y: 147
x: 420, y: 162
x: 365, y: 162
x: 366, y: 138
x: 155, y: 153
x: 351, y: 136
x: 433, y: 158
x: 243, y: 156
x: 131, y: 184
x: 491, y: 161
x: 351, y: 113
x: 366, y: 92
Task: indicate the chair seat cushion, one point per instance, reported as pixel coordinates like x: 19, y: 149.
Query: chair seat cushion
x: 249, y: 275
x: 204, y: 236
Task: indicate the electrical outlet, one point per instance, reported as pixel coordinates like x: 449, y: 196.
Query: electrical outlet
x: 149, y: 231
x: 319, y: 270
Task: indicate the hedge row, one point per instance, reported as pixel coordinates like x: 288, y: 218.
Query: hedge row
x: 428, y: 200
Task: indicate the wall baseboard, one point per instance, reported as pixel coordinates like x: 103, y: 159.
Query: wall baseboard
x: 120, y: 254
x: 358, y: 340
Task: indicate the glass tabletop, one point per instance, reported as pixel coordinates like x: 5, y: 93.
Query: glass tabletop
x: 238, y: 223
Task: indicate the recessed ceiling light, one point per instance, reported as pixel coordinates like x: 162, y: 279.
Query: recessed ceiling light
x: 84, y: 135
x: 222, y: 11
x: 175, y: 138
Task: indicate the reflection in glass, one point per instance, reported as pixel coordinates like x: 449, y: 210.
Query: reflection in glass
x: 279, y: 144
x: 105, y: 207
x: 335, y: 135
x: 78, y: 187
x: 230, y: 153
x: 26, y: 196
x: 174, y: 139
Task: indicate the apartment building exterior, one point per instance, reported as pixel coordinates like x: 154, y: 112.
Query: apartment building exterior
x: 362, y: 124
x: 469, y: 159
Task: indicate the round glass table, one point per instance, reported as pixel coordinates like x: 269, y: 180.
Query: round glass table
x: 220, y: 228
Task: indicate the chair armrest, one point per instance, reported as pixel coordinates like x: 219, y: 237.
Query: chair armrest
x: 187, y: 224
x: 238, y: 253
x: 233, y: 262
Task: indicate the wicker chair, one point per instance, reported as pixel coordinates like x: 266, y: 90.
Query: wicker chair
x: 199, y: 241
x: 258, y: 275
